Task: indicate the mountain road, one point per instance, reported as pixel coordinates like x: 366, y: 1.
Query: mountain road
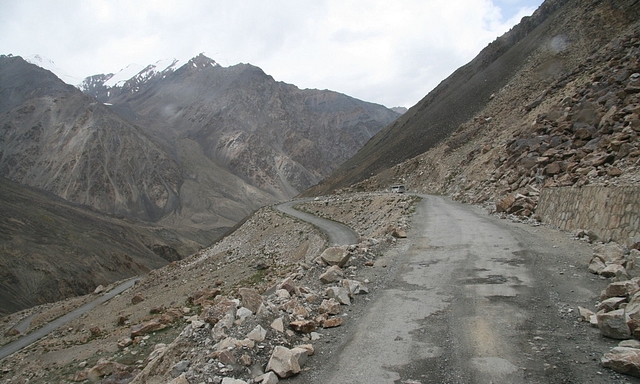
x: 62, y: 320
x: 337, y: 233
x: 470, y: 298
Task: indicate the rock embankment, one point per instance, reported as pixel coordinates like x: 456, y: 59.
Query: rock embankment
x: 617, y: 314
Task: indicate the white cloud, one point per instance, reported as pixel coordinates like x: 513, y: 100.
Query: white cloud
x: 391, y: 53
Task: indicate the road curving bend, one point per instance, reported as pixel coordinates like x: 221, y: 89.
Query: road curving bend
x: 338, y: 234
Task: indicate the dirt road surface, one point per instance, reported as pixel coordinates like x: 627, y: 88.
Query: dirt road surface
x: 471, y: 298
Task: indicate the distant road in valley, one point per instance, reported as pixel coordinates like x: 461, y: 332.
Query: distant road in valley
x: 55, y: 324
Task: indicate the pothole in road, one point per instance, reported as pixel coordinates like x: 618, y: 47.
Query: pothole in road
x: 491, y: 279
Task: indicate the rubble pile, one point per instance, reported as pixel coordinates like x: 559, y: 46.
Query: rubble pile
x: 249, y: 337
x: 380, y: 216
x: 586, y: 134
x: 617, y: 314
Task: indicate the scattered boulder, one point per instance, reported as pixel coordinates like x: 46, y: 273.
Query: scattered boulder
x: 303, y: 326
x: 278, y: 324
x: 268, y: 378
x: 330, y: 306
x: 332, y: 322
x: 586, y: 314
x: 217, y: 311
x: 506, y: 203
x: 331, y: 275
x: 623, y: 360
x: 613, y: 324
x: 611, y: 304
x: 354, y: 287
x: 251, y: 298
x: 257, y: 334
x: 137, y: 298
x: 284, y: 362
x: 624, y: 288
x: 147, y: 327
x: 336, y: 256
x: 341, y: 294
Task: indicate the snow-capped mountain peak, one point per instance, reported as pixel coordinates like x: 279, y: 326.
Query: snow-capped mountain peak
x: 123, y: 75
x: 49, y: 65
x: 131, y: 78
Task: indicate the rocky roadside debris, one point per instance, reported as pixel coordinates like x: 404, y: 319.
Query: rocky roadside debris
x: 617, y: 314
x: 589, y: 137
x: 364, y: 212
x: 250, y: 337
x: 244, y: 309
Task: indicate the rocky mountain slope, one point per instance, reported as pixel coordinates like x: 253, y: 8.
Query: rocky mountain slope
x: 193, y: 149
x: 275, y: 136
x: 494, y: 99
x: 568, y: 117
x: 270, y: 253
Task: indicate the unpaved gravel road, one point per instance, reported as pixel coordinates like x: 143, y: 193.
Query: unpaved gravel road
x: 470, y: 298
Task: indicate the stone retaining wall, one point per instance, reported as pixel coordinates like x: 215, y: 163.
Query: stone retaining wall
x: 610, y: 212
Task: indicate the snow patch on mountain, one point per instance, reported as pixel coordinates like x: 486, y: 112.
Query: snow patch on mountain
x: 51, y: 66
x: 138, y: 74
x: 118, y: 79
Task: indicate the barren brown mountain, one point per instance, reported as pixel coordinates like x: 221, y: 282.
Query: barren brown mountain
x: 547, y: 112
x: 193, y: 151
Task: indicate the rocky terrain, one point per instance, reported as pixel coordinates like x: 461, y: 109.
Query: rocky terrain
x: 577, y: 127
x: 545, y: 85
x: 189, y: 151
x: 276, y: 137
x: 554, y: 102
x: 225, y: 310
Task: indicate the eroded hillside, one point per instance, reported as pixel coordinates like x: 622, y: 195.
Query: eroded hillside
x: 268, y: 252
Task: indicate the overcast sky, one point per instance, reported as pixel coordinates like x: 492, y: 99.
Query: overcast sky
x: 387, y: 52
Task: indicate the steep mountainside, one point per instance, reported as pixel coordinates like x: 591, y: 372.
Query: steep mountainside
x: 59, y: 140
x: 570, y: 116
x: 540, y: 50
x: 51, y: 249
